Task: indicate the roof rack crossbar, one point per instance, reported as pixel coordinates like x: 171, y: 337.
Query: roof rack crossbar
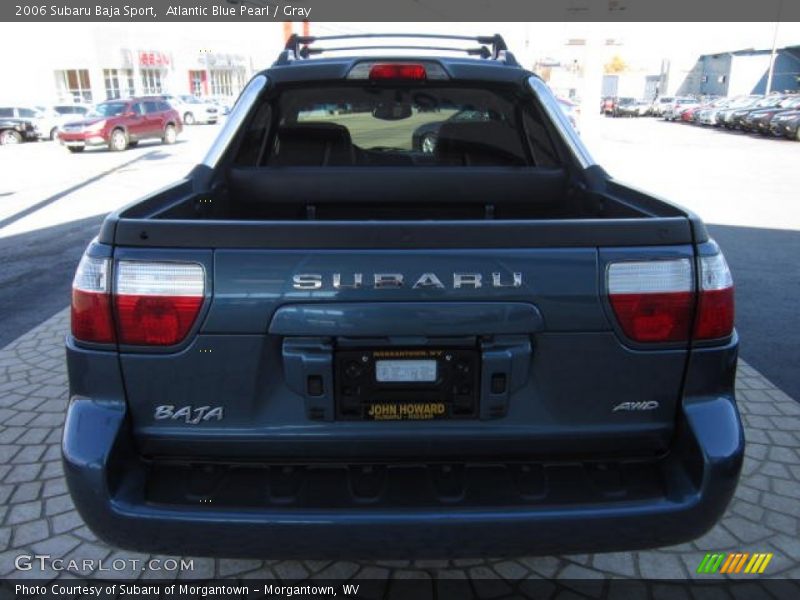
x: 299, y: 45
x: 481, y: 51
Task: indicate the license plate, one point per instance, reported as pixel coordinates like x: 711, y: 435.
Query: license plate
x: 405, y: 371
x: 398, y: 384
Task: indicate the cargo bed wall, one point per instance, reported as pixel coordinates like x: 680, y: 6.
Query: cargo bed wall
x: 300, y: 207
x: 309, y: 193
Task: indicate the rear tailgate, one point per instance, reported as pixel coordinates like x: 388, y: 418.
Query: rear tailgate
x: 574, y: 384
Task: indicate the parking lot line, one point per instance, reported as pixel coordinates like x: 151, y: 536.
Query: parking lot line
x: 55, y: 197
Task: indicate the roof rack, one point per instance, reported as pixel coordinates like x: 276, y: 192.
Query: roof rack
x: 298, y: 47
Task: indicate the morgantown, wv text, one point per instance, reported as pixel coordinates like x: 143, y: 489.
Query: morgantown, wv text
x: 222, y: 10
x: 103, y: 589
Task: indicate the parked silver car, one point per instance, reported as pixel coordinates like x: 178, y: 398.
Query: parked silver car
x: 660, y: 104
x: 708, y: 114
x: 193, y: 109
x: 674, y: 109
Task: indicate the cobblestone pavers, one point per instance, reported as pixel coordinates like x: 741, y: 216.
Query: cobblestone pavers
x: 37, y: 516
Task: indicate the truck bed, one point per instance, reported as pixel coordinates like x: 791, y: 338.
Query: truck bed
x: 304, y: 207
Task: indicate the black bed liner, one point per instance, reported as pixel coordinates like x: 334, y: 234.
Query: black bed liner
x: 301, y: 207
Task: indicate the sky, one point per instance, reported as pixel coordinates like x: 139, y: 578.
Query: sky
x: 644, y: 45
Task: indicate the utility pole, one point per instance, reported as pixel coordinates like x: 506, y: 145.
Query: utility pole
x: 774, y: 47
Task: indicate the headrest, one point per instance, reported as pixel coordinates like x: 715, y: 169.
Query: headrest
x: 489, y: 143
x: 313, y: 144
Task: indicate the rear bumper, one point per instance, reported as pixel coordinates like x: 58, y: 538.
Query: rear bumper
x: 81, y: 140
x: 498, y: 510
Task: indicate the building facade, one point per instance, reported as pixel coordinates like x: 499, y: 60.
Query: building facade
x: 108, y: 61
x: 743, y: 72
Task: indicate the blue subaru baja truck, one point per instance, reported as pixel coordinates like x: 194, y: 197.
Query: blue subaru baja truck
x: 399, y: 311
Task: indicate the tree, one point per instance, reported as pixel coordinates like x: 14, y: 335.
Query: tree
x: 615, y: 65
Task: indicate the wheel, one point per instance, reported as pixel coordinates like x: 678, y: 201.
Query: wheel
x: 9, y: 136
x: 170, y: 135
x: 54, y: 134
x: 188, y: 118
x: 428, y: 143
x: 74, y: 149
x: 119, y: 141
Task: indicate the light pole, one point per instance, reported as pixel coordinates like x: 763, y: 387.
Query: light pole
x: 774, y: 46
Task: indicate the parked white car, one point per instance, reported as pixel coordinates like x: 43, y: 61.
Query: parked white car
x: 193, y: 109
x: 56, y: 116
x: 46, y: 119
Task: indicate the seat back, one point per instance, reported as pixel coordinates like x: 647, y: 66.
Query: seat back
x: 479, y: 143
x: 312, y: 144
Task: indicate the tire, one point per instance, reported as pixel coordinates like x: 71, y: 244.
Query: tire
x: 170, y: 135
x: 428, y: 143
x: 118, y: 141
x: 75, y: 150
x: 188, y: 119
x: 9, y: 136
x: 54, y: 134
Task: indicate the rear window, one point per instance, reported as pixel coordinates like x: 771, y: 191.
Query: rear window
x: 399, y: 126
x: 109, y: 109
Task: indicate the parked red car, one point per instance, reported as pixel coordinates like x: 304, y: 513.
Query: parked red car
x: 120, y: 124
x: 688, y: 115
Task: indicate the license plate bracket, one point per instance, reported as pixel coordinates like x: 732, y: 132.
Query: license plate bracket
x: 407, y: 384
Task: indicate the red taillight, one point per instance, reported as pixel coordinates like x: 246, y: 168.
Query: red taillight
x: 155, y: 321
x: 715, y: 306
x: 398, y: 71
x: 157, y: 302
x: 91, y: 302
x: 652, y: 300
x: 654, y: 317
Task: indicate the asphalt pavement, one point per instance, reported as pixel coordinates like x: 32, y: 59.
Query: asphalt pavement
x: 51, y: 203
x: 51, y: 206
